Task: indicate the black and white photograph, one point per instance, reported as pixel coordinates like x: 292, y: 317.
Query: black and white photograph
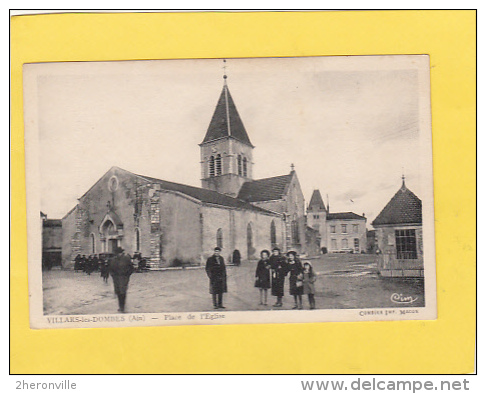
x: 229, y: 191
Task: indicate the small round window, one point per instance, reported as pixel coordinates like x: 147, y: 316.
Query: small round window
x: 113, y: 183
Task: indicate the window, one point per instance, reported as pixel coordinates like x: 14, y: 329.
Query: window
x: 295, y: 232
x: 356, y: 244
x: 219, y: 238
x: 273, y: 234
x: 137, y: 240
x: 406, y: 244
x: 92, y: 241
x: 316, y: 216
x: 333, y: 244
x: 344, y: 243
x: 218, y: 165
x: 245, y: 172
x: 211, y: 166
x: 240, y: 170
x: 355, y: 228
x: 344, y: 228
x: 333, y: 229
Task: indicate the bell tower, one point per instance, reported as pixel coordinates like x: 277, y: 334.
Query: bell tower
x: 226, y: 151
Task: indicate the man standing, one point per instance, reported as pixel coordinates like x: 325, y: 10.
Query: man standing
x: 216, y: 271
x: 120, y: 269
x: 279, y: 267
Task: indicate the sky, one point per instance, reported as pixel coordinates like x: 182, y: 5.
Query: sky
x: 351, y: 125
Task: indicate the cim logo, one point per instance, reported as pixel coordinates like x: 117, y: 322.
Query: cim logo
x: 401, y: 299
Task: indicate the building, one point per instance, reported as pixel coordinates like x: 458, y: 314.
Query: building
x: 51, y: 242
x: 340, y: 232
x: 170, y: 223
x: 399, y: 236
x: 281, y: 194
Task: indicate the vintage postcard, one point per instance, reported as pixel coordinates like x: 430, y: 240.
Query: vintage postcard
x: 229, y: 191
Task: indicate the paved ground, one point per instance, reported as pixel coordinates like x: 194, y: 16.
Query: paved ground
x: 343, y: 282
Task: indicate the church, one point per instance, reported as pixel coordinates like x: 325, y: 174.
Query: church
x: 172, y: 224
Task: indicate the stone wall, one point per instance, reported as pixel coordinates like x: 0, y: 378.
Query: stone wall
x: 229, y: 182
x: 386, y: 242
x: 69, y: 239
x: 180, y: 229
x: 234, y: 225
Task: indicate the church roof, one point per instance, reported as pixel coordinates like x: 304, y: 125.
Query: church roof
x: 344, y: 216
x: 266, y: 189
x: 404, y: 208
x: 226, y: 121
x: 205, y: 195
x: 52, y: 223
x: 316, y: 200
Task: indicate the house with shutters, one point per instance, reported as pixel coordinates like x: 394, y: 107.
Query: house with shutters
x: 340, y: 232
x: 399, y: 236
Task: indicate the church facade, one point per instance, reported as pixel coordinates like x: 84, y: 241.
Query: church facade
x: 171, y: 223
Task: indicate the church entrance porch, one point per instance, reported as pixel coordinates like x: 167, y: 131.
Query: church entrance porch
x: 111, y: 232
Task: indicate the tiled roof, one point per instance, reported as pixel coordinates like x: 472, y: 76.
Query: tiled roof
x: 205, y: 195
x: 316, y: 200
x: 344, y: 216
x: 226, y: 121
x: 266, y: 189
x: 404, y: 208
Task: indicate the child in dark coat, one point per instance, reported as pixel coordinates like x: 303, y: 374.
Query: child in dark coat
x: 296, y: 276
x: 309, y: 280
x: 262, y: 276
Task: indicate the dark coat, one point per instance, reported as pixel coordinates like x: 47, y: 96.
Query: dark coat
x: 216, y: 271
x: 278, y: 265
x: 262, y: 275
x: 105, y: 269
x: 296, y: 271
x: 120, y: 269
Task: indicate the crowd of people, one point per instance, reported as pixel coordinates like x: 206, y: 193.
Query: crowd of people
x: 271, y: 272
x: 90, y: 264
x: 99, y: 263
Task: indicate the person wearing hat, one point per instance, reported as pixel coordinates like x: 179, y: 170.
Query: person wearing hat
x: 278, y: 264
x: 262, y: 276
x: 216, y: 271
x: 120, y: 269
x: 296, y: 285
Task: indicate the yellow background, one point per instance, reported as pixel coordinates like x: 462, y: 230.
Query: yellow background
x: 442, y: 346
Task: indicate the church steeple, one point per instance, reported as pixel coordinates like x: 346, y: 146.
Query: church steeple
x: 226, y: 121
x: 226, y: 151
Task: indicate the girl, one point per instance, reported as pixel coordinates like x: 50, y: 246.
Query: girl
x: 309, y: 280
x: 295, y: 278
x: 262, y: 276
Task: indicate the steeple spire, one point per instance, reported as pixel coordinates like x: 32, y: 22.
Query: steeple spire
x: 226, y: 121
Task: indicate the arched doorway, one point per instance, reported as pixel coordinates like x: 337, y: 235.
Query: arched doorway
x: 110, y: 236
x: 249, y: 241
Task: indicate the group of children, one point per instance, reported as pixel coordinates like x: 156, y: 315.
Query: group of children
x: 271, y: 272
